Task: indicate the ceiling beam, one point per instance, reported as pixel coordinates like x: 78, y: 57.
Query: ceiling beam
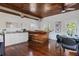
x: 18, y: 13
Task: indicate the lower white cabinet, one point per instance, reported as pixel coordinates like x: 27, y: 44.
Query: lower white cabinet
x: 15, y: 38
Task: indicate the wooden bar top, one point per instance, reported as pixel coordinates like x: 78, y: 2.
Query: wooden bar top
x: 36, y: 32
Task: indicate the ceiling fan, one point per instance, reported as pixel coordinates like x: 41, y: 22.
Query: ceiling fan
x: 67, y: 7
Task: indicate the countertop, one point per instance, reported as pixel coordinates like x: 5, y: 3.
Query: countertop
x: 24, y: 32
x: 15, y: 32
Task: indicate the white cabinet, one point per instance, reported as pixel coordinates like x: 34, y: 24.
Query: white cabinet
x: 15, y: 38
x: 1, y: 38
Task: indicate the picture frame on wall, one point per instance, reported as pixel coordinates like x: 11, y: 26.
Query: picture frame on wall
x: 58, y: 25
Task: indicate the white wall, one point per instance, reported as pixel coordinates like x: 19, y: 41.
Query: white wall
x: 64, y: 18
x: 4, y: 17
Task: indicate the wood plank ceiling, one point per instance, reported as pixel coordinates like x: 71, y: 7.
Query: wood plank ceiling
x: 39, y: 10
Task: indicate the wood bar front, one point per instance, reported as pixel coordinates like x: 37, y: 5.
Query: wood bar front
x: 38, y: 36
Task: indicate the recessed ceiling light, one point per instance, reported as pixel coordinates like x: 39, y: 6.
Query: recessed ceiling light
x: 33, y: 7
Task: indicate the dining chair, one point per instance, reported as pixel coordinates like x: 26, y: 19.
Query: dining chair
x: 59, y: 42
x: 70, y: 44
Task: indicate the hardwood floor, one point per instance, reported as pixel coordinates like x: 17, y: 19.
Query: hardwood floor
x: 34, y: 49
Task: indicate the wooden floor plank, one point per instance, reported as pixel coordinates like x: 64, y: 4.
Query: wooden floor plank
x: 31, y: 48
